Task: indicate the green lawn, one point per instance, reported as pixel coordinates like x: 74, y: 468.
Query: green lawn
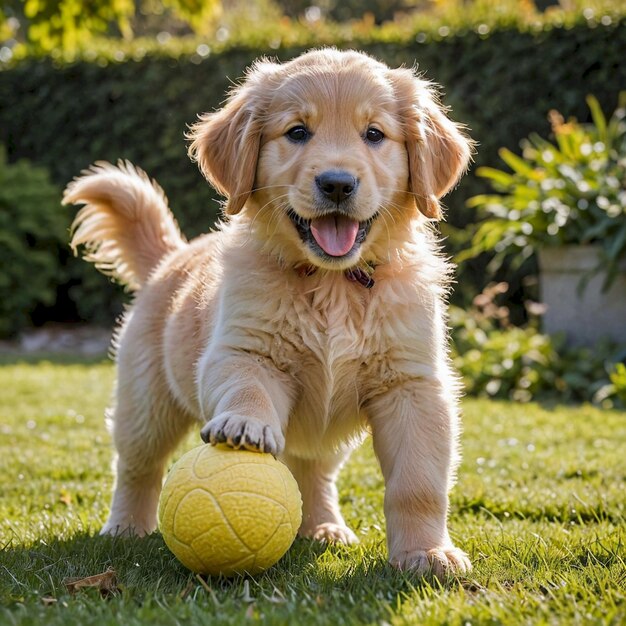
x: 539, y: 506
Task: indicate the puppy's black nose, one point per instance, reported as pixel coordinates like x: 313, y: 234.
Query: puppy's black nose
x: 336, y: 185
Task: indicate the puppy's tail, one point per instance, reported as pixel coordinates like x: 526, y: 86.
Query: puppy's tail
x: 125, y: 225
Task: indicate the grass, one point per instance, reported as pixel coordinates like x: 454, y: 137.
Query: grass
x: 539, y: 506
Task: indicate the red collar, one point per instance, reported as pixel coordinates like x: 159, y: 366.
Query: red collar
x: 355, y: 274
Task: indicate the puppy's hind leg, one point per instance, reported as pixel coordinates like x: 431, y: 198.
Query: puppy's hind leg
x: 321, y: 517
x: 146, y: 431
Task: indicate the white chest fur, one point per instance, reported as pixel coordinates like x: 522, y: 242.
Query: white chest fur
x: 327, y: 359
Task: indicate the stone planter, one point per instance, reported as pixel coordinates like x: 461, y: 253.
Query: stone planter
x: 585, y: 316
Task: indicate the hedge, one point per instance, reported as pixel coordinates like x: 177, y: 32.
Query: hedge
x: 30, y: 236
x: 501, y: 85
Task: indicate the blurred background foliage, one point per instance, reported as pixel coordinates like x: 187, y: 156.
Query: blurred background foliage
x: 82, y: 80
x: 570, y: 192
x: 31, y: 239
x: 67, y: 29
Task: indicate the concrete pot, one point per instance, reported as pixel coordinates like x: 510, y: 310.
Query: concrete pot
x: 585, y: 316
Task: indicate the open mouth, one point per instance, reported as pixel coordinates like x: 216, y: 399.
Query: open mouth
x: 331, y: 236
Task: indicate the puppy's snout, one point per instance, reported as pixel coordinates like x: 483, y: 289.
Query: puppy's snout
x: 336, y: 185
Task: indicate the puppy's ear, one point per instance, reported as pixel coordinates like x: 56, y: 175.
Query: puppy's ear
x: 226, y: 143
x: 438, y: 150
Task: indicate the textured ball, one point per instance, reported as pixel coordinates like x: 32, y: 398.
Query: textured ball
x: 225, y: 511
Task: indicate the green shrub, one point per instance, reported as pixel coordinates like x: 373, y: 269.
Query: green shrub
x: 571, y: 192
x: 613, y: 394
x: 499, y: 360
x: 31, y: 234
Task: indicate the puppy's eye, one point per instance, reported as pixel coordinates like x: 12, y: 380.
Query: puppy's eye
x: 299, y: 134
x: 373, y: 135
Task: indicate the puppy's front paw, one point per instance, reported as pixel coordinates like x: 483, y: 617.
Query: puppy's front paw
x: 330, y: 533
x: 122, y: 524
x: 238, y: 432
x: 437, y: 561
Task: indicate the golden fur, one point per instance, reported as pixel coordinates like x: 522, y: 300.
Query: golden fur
x: 255, y: 332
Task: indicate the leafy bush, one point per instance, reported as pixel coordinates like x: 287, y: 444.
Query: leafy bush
x: 497, y: 359
x: 573, y: 192
x: 31, y: 233
x: 613, y: 394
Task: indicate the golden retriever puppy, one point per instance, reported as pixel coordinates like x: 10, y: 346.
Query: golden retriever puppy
x: 314, y: 314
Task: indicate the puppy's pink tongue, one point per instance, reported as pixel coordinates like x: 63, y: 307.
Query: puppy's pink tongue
x: 335, y: 234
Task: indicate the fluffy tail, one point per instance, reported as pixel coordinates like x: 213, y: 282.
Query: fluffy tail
x: 125, y: 225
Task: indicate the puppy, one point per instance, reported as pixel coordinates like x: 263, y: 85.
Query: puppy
x: 314, y: 314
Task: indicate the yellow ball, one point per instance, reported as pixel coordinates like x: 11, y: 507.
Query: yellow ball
x: 225, y: 511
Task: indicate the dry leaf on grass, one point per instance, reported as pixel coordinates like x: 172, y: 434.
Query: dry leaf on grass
x: 65, y: 497
x: 106, y: 583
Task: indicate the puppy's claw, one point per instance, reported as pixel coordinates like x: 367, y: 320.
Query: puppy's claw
x: 439, y: 562
x: 126, y: 528
x: 331, y: 533
x: 243, y: 432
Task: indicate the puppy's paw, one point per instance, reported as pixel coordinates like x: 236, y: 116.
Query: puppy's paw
x: 439, y: 562
x: 125, y: 529
x: 331, y: 533
x: 239, y: 432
